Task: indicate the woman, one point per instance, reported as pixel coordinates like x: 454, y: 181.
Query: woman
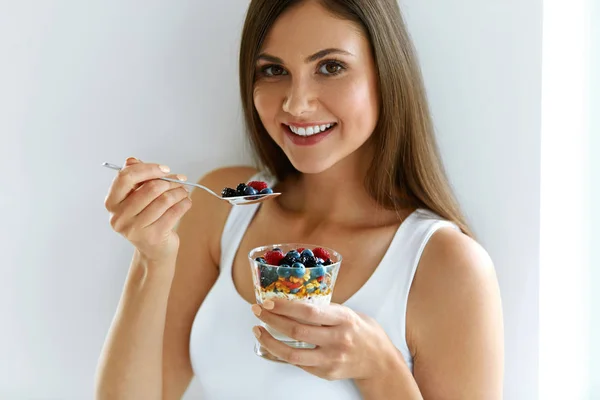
x: 427, y: 320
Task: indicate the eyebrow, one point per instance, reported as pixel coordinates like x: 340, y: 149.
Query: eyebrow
x: 318, y: 55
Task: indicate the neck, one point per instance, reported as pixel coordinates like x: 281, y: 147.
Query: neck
x: 337, y: 195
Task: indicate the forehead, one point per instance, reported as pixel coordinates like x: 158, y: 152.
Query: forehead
x: 308, y: 28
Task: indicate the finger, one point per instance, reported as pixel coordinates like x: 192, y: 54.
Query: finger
x: 330, y: 314
x: 300, y: 357
x: 172, y: 216
x: 149, y: 191
x: 131, y: 161
x: 160, y: 205
x: 317, y: 335
x: 129, y: 177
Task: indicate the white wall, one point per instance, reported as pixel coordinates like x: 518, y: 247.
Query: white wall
x: 87, y: 82
x: 594, y: 150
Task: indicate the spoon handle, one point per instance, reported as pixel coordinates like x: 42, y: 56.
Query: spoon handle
x: 117, y: 168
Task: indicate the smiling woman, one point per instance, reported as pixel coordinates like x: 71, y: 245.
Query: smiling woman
x: 336, y: 111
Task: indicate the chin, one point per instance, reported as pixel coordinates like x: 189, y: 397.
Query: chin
x: 311, y: 166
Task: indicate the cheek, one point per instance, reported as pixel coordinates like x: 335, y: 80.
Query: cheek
x: 266, y: 103
x: 355, y: 104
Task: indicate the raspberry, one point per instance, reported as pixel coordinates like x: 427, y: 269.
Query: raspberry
x: 300, y: 249
x: 258, y: 185
x: 321, y: 253
x: 273, y: 257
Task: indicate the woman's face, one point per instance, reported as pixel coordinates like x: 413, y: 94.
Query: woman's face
x: 316, y: 87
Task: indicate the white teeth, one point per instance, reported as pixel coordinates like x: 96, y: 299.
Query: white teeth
x: 310, y: 130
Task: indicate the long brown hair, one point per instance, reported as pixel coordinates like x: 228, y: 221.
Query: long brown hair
x: 408, y: 172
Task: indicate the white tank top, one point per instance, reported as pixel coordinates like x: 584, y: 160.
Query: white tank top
x: 222, y: 343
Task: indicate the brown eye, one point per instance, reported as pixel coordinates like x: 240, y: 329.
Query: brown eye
x: 273, y: 70
x: 331, y: 68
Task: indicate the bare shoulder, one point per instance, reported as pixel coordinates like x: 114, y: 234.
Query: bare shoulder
x: 454, y: 320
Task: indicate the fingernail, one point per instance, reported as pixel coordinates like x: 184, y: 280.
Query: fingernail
x: 268, y: 304
x: 131, y: 159
x: 182, y: 177
x: 256, y: 332
x: 164, y: 169
x: 256, y: 309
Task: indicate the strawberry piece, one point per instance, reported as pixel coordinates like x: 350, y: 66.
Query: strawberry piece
x: 273, y: 257
x: 321, y: 253
x: 300, y: 249
x: 320, y: 279
x: 292, y: 285
x: 258, y: 185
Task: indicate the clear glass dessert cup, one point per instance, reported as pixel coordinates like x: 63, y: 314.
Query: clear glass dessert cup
x: 311, y: 282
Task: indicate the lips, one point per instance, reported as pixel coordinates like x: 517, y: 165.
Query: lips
x: 307, y: 139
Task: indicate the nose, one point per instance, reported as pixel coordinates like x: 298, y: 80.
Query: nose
x: 300, y: 99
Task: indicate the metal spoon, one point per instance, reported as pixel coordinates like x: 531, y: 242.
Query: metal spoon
x: 236, y: 201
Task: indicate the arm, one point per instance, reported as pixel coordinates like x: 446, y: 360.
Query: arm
x: 455, y: 330
x: 145, y: 354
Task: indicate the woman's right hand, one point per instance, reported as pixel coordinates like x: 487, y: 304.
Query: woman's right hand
x: 145, y: 209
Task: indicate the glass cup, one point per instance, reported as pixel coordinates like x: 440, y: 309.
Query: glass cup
x: 299, y: 276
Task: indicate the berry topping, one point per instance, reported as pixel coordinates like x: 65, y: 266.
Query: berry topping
x: 298, y: 270
x: 293, y: 254
x: 321, y: 253
x: 228, y: 192
x: 300, y: 250
x: 317, y: 272
x: 240, y: 189
x: 250, y: 191
x: 284, y: 271
x: 268, y: 275
x: 266, y: 191
x: 273, y: 257
x: 258, y: 185
x: 306, y: 253
x: 260, y: 260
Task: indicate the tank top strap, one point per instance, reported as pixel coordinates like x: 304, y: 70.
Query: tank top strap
x: 237, y: 222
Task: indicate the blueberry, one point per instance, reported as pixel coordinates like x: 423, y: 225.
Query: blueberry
x: 327, y: 262
x: 323, y: 287
x: 317, y: 272
x: 260, y: 260
x: 293, y: 254
x: 266, y: 191
x: 284, y: 271
x: 277, y: 249
x: 250, y: 191
x: 228, y: 192
x: 298, y: 270
x: 294, y: 291
x: 311, y: 289
x: 307, y: 253
x: 240, y: 189
x: 320, y: 260
x: 290, y: 258
x: 286, y: 262
x: 268, y: 275
x: 310, y: 262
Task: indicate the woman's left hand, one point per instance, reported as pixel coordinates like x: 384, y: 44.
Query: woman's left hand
x: 349, y: 345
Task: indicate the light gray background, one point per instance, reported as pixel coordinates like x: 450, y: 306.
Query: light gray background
x: 87, y: 82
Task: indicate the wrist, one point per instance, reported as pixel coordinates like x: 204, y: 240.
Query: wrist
x: 144, y: 268
x: 392, y: 376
